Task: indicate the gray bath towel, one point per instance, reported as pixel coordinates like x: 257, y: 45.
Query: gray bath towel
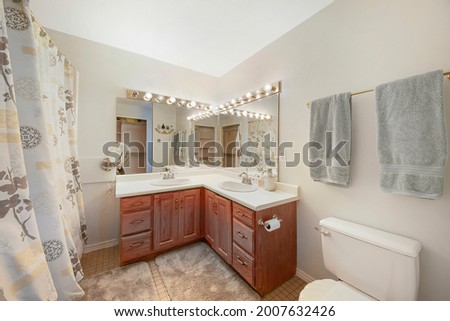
x: 331, y: 127
x: 412, y: 137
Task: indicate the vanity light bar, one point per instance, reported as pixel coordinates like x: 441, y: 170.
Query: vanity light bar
x: 266, y: 91
x: 202, y: 115
x: 235, y: 112
x: 169, y: 100
x: 245, y: 113
x: 230, y: 107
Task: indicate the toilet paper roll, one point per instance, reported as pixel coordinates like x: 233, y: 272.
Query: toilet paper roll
x: 272, y: 225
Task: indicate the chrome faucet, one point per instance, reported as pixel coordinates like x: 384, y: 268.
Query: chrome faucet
x: 245, y: 178
x: 168, y: 173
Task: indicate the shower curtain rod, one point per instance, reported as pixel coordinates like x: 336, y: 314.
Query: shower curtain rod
x: 445, y: 74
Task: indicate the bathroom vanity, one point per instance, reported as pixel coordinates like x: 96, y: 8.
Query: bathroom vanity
x: 155, y: 219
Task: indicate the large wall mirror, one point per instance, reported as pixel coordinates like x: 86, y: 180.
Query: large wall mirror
x: 163, y: 134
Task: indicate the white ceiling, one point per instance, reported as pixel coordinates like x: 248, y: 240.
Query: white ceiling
x: 209, y: 36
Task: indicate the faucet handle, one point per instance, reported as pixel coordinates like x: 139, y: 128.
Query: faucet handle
x: 244, y: 173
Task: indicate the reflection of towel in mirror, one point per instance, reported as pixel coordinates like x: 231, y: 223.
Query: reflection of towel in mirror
x: 237, y: 161
x: 178, y: 151
x: 176, y: 145
x: 412, y: 137
x: 333, y: 115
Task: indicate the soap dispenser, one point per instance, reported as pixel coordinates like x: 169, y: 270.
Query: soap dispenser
x: 269, y: 181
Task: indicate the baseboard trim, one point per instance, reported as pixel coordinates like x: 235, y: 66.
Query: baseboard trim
x: 100, y: 245
x: 304, y: 276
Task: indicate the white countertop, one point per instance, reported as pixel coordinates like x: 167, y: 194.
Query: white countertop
x: 140, y: 184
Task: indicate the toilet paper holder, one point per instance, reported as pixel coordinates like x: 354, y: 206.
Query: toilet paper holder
x: 261, y: 222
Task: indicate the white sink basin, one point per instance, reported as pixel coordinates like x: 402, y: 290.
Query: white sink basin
x: 170, y: 181
x: 237, y: 187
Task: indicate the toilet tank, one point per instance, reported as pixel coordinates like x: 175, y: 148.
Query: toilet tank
x: 381, y: 264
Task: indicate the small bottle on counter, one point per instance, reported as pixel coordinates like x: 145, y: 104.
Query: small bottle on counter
x: 269, y: 181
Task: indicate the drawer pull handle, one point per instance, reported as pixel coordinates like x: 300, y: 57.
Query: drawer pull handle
x: 240, y: 261
x: 137, y: 221
x: 138, y: 203
x: 240, y: 213
x: 132, y: 245
x: 241, y: 235
x: 176, y: 203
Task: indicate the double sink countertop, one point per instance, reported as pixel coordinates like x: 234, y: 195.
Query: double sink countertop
x: 140, y: 184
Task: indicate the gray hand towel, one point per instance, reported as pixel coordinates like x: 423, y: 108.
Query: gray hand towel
x: 412, y: 137
x: 331, y: 127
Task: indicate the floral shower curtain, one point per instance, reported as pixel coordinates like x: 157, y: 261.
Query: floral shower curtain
x: 42, y: 222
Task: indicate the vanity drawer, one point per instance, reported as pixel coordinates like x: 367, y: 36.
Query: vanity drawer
x: 243, y: 236
x: 244, y: 215
x: 135, y: 246
x: 135, y: 222
x: 135, y: 203
x: 244, y: 264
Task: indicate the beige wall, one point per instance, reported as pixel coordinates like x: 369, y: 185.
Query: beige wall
x: 350, y: 45
x: 353, y: 45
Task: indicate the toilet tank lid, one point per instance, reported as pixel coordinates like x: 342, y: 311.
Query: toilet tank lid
x: 386, y: 240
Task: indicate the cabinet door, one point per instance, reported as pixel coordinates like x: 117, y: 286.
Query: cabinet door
x: 224, y: 236
x: 211, y: 219
x: 189, y: 215
x: 166, y: 223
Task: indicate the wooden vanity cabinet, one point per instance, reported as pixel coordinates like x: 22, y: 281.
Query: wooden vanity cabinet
x: 136, y: 220
x: 218, y: 224
x: 166, y: 220
x: 177, y: 218
x: 155, y: 223
x: 265, y: 259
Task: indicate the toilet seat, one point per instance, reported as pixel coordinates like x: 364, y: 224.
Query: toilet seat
x: 331, y: 290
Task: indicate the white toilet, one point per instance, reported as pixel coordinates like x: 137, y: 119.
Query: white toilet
x: 370, y: 264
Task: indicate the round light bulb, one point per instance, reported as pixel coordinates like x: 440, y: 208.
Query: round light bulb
x: 193, y: 103
x: 268, y: 88
x: 171, y: 100
x: 248, y: 95
x: 244, y: 113
x: 147, y: 96
x: 268, y: 117
x: 233, y: 101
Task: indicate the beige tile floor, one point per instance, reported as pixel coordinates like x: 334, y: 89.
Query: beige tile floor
x: 107, y: 259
